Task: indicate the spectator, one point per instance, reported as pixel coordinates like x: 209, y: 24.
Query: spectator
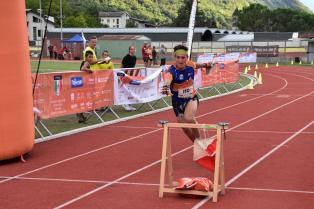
x: 50, y: 50
x: 105, y: 63
x: 87, y: 67
x: 66, y: 52
x: 150, y: 55
x: 145, y: 54
x: 129, y: 61
x: 154, y: 53
x: 162, y: 54
x: 91, y: 47
x: 55, y: 52
x: 60, y: 54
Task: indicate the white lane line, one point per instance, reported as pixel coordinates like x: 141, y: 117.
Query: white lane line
x: 236, y: 131
x: 133, y: 127
x: 115, y: 181
x: 81, y: 181
x: 202, y: 202
x: 154, y: 185
x: 245, y: 101
x: 271, y: 190
x: 154, y: 163
x: 80, y: 155
x: 92, y: 151
x: 293, y: 74
x: 271, y: 132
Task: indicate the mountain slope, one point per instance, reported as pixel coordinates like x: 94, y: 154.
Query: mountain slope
x: 293, y: 4
x: 159, y: 12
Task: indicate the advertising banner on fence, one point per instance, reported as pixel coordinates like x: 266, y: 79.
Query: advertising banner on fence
x: 262, y: 51
x: 137, y: 89
x: 59, y: 94
x: 220, y: 73
x: 249, y: 57
x: 64, y: 93
x: 205, y: 58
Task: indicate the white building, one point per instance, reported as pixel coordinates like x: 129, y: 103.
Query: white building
x: 36, y: 26
x: 114, y: 19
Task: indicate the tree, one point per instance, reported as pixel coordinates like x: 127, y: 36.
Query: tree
x: 203, y: 18
x: 75, y: 21
x: 130, y: 24
x: 257, y: 17
x: 254, y: 18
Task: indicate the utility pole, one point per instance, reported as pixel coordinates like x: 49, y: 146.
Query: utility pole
x: 61, y: 22
x: 40, y: 19
x: 191, y: 28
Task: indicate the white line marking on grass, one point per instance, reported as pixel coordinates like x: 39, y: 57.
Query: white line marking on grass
x: 271, y: 190
x: 198, y: 205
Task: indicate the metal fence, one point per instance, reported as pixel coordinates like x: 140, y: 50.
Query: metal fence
x: 287, y: 50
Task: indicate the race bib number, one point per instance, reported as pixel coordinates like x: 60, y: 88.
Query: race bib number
x: 186, y: 92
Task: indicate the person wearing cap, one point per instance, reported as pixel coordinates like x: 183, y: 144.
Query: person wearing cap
x: 180, y: 82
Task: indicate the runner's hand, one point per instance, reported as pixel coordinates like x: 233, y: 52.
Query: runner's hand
x: 166, y: 90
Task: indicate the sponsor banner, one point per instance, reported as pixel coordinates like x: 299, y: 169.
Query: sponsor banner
x: 262, y: 51
x: 232, y: 56
x: 205, y: 58
x: 137, y: 89
x: 59, y: 94
x: 227, y: 72
x: 248, y: 57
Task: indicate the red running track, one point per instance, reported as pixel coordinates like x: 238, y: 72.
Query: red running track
x: 268, y: 156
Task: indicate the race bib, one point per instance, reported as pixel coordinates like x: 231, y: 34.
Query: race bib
x: 186, y: 92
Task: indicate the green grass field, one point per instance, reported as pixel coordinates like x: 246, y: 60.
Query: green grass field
x: 47, y: 66
x: 54, y: 65
x: 70, y: 122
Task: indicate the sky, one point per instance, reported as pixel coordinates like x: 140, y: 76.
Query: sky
x: 309, y: 4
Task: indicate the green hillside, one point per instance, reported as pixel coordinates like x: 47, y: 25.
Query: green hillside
x: 84, y: 13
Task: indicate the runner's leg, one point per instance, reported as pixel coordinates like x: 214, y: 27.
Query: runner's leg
x: 187, y: 131
x: 189, y: 116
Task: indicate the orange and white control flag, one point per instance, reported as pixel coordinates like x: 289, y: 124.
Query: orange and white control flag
x: 204, y: 151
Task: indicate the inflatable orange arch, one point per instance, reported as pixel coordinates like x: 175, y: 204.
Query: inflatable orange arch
x: 16, y: 116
